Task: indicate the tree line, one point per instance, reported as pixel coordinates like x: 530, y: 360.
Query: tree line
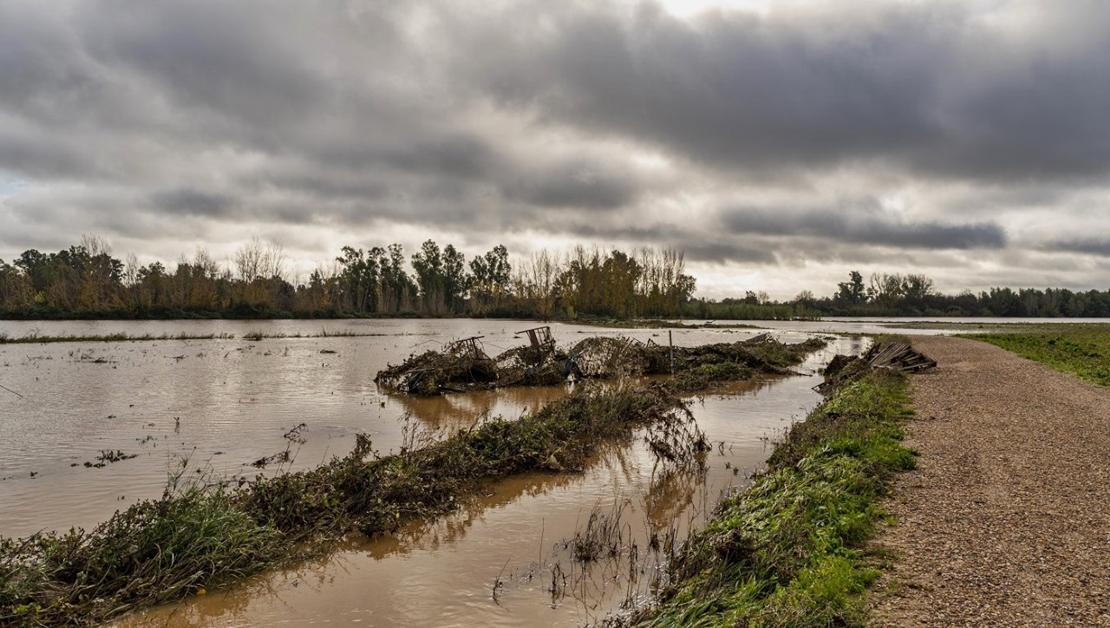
x: 894, y: 294
x: 86, y: 281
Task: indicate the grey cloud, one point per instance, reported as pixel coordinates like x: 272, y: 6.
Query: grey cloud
x: 729, y: 252
x: 191, y: 202
x: 574, y: 185
x: 867, y: 229
x: 1090, y: 246
x: 925, y: 85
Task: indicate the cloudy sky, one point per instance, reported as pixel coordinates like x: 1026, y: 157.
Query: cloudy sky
x: 780, y: 144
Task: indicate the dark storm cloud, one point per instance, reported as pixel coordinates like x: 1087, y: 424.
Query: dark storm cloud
x: 576, y: 185
x: 928, y: 85
x: 856, y: 228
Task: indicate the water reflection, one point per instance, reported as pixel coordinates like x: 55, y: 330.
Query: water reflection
x: 460, y: 411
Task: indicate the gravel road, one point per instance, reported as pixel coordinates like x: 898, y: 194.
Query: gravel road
x: 1006, y: 521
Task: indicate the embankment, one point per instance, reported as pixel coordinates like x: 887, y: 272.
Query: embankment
x: 790, y: 550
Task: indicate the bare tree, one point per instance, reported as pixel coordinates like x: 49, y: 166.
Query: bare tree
x: 260, y: 259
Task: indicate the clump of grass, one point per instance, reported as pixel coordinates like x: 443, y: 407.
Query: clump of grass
x: 35, y: 338
x: 602, y: 537
x: 107, y: 456
x: 1082, y: 350
x: 156, y: 551
x: 705, y: 376
x: 788, y: 551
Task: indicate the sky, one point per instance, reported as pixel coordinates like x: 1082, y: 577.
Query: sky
x: 779, y: 144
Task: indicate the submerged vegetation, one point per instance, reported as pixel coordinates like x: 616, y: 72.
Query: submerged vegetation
x: 789, y: 550
x: 35, y: 338
x: 1082, y: 350
x: 202, y: 534
x: 254, y: 336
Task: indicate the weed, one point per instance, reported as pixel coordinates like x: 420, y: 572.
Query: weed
x: 107, y: 457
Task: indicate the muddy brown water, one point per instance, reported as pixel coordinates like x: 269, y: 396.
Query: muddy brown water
x: 504, y: 560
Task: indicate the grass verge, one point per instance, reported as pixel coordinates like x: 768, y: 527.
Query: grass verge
x: 200, y: 535
x: 788, y: 551
x: 1082, y: 350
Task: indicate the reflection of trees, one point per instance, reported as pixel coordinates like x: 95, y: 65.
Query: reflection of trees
x: 459, y: 411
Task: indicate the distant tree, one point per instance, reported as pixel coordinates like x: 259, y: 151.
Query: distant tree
x: 358, y: 281
x: 456, y: 281
x: 886, y: 289
x: 490, y: 275
x: 852, y: 291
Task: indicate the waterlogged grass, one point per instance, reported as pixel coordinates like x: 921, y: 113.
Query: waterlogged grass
x: 37, y: 339
x: 789, y: 550
x: 1082, y: 350
x: 253, y: 336
x: 200, y: 535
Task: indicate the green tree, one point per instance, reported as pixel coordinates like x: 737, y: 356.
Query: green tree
x: 852, y: 291
x: 489, y: 278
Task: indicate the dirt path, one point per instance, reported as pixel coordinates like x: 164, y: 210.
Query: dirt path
x: 1006, y: 522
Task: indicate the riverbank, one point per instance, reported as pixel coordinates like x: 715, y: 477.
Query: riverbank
x: 1004, y: 521
x: 791, y: 549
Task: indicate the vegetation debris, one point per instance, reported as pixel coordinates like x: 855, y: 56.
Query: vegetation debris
x: 887, y: 355
x: 463, y: 365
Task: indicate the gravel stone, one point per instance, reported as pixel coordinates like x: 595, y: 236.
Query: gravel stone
x: 1006, y: 521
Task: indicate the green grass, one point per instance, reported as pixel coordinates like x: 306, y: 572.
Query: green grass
x: 789, y: 550
x: 1079, y: 349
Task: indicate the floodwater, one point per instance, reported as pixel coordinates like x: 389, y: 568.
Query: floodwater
x: 223, y: 403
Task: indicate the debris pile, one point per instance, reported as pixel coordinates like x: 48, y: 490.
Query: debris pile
x: 463, y: 366
x: 896, y: 356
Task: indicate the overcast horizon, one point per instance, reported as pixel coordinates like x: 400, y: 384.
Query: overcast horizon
x: 779, y: 144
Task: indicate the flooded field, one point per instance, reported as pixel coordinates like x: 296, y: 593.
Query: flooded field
x: 507, y: 559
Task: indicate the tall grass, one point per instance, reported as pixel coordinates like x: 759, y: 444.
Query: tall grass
x: 789, y: 550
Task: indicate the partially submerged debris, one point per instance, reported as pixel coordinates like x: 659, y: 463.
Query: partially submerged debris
x: 460, y: 365
x: 463, y: 366
x: 889, y: 355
